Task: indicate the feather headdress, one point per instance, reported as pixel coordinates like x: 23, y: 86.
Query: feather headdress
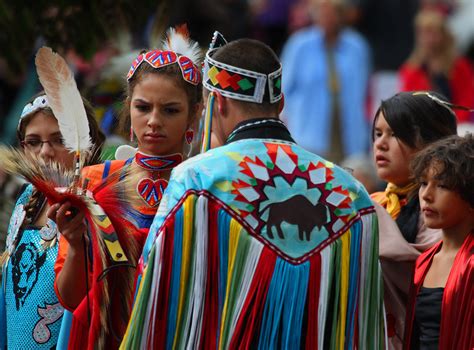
x: 65, y: 101
x: 178, y: 40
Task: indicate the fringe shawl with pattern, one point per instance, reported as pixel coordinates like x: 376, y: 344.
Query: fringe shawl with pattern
x: 218, y: 274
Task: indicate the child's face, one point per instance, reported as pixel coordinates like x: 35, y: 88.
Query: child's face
x: 392, y: 157
x: 159, y: 114
x: 43, y: 139
x: 443, y: 208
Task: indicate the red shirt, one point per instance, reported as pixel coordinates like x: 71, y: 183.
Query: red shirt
x: 461, y: 83
x: 457, y: 309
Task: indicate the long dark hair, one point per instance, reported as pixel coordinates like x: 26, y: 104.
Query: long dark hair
x: 417, y: 119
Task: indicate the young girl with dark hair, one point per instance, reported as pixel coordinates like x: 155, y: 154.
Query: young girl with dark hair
x: 32, y: 313
x: 440, y: 314
x: 403, y: 125
x: 163, y: 99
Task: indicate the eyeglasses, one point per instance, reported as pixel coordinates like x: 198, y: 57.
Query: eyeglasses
x: 35, y: 145
x: 158, y: 59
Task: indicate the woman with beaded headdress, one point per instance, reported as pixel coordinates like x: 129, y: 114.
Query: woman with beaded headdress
x: 30, y: 312
x: 163, y: 99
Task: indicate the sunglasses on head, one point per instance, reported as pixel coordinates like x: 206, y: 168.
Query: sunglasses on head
x: 158, y: 59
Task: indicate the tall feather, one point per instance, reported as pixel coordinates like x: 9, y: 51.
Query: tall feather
x: 64, y: 99
x: 177, y: 40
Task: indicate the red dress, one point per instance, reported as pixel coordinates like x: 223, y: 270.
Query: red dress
x: 461, y: 83
x: 457, y: 309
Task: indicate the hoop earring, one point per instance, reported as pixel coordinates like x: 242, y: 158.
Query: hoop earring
x: 189, y: 136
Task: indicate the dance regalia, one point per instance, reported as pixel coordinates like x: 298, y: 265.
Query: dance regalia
x: 260, y: 244
x: 457, y: 309
x: 32, y: 314
x: 397, y: 257
x: 84, y: 333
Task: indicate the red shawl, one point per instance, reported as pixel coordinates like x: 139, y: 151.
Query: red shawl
x: 457, y: 309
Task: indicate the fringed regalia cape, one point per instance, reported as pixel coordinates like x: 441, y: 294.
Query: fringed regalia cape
x: 260, y: 244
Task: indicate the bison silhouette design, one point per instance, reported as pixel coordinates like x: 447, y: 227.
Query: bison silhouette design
x: 297, y: 210
x: 26, y: 264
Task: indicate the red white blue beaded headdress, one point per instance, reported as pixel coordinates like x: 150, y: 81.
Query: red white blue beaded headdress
x: 177, y: 48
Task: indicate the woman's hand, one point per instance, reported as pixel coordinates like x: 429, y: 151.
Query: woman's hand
x: 70, y: 222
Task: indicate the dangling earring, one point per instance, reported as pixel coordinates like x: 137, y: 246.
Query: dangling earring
x: 131, y: 133
x: 189, y: 136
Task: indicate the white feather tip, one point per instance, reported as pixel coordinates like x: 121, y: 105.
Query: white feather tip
x: 64, y: 99
x: 177, y: 40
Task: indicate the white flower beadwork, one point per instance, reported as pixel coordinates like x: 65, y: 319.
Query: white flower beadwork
x: 17, y: 219
x: 49, y: 231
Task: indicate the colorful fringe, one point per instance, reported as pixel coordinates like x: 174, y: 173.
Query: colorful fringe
x: 207, y: 127
x: 222, y: 288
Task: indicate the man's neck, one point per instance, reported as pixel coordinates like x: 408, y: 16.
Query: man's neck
x: 260, y: 128
x: 239, y: 120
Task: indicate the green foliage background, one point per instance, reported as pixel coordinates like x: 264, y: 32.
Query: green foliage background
x: 82, y: 25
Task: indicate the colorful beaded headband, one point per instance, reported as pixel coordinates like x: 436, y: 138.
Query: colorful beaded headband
x: 39, y: 103
x: 158, y: 58
x: 237, y: 83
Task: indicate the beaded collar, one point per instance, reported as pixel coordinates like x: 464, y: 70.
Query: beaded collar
x: 151, y: 189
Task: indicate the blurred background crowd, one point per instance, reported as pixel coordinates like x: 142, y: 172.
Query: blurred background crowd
x: 340, y: 59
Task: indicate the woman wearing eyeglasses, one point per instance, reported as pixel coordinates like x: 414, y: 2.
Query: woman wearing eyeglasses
x: 163, y: 99
x: 33, y: 314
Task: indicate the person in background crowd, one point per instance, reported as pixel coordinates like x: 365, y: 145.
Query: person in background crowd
x: 327, y: 68
x: 435, y: 65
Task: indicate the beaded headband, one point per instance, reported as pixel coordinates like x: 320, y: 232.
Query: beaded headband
x: 177, y: 47
x: 237, y: 83
x: 159, y: 59
x: 39, y: 102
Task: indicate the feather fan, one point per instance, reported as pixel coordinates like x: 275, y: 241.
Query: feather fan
x: 111, y: 196
x: 48, y: 178
x: 64, y: 99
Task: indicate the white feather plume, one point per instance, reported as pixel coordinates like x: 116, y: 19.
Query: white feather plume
x: 177, y: 40
x: 64, y: 99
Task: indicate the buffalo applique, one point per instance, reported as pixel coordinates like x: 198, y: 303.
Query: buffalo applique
x: 297, y: 210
